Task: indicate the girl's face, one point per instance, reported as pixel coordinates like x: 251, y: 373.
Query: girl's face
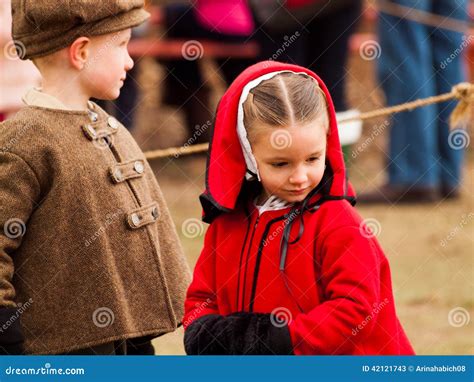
x: 291, y: 160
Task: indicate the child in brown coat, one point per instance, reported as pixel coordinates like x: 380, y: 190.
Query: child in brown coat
x: 90, y: 262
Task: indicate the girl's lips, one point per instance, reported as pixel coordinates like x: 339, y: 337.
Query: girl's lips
x: 297, y: 192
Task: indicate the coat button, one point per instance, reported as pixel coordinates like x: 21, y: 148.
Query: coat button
x: 154, y: 213
x: 93, y: 116
x: 118, y: 174
x: 135, y: 219
x: 138, y: 166
x: 91, y: 131
x: 113, y: 123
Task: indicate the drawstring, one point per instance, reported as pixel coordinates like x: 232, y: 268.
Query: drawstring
x: 285, y: 239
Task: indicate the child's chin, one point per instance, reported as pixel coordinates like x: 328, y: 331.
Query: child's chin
x: 295, y: 198
x: 109, y: 96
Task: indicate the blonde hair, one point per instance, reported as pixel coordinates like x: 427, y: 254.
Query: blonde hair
x: 285, y: 99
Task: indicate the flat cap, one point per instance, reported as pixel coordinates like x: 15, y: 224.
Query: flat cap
x: 42, y: 27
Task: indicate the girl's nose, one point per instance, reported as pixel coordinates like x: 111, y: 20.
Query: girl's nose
x: 299, y: 176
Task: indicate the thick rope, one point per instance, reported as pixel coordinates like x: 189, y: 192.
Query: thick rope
x: 423, y: 17
x: 464, y: 92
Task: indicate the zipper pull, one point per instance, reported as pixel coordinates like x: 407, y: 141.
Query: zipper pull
x: 256, y: 222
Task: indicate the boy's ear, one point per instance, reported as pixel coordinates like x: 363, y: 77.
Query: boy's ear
x: 79, y: 52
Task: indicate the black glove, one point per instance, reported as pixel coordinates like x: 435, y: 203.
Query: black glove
x: 11, y: 336
x: 238, y: 333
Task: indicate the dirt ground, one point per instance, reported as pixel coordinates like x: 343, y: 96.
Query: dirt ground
x: 430, y: 247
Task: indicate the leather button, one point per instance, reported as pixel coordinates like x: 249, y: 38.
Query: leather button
x: 94, y: 117
x: 118, y: 174
x: 113, y: 123
x: 138, y: 167
x: 135, y: 219
x: 91, y: 131
x: 154, y: 213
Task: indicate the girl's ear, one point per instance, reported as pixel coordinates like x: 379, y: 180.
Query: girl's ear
x: 79, y: 52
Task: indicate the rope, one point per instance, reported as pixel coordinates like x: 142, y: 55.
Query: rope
x: 177, y: 151
x: 423, y: 17
x: 464, y: 92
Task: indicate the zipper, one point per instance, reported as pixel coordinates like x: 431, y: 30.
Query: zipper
x: 241, y: 257
x: 247, y: 261
x: 259, y: 259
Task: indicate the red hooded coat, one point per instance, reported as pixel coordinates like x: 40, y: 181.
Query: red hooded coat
x: 314, y: 265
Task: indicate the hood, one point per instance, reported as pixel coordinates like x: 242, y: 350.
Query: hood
x: 226, y: 166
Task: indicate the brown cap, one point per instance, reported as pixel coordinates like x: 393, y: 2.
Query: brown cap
x: 42, y: 27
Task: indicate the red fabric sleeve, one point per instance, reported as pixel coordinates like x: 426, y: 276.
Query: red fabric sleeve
x: 350, y: 280
x: 201, y: 296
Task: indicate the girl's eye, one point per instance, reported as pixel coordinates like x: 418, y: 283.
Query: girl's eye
x: 313, y: 159
x: 279, y: 164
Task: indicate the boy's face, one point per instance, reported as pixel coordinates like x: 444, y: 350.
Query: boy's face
x: 290, y: 160
x: 107, y: 65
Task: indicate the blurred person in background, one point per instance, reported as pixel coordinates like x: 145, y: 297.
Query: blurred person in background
x: 418, y: 61
x: 314, y: 34
x: 220, y: 20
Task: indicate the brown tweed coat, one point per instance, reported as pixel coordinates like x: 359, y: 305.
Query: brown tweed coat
x: 88, y: 251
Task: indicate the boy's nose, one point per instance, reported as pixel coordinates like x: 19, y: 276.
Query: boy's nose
x: 128, y: 63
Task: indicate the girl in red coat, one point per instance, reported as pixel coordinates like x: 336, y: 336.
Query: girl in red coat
x: 288, y: 266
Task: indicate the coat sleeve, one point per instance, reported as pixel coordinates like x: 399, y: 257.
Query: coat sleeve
x: 350, y: 281
x: 201, y: 297
x: 19, y: 192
